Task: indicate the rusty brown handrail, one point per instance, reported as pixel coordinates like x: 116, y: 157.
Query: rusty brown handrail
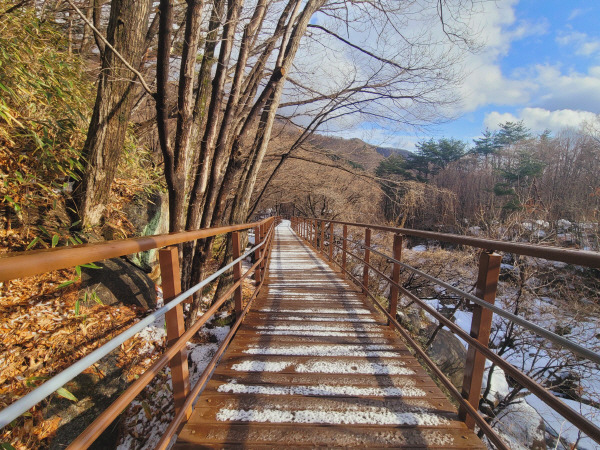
x: 552, y: 401
x: 485, y: 427
x: 181, y: 415
x: 95, y: 429
x: 578, y: 257
x: 591, y: 258
x: 30, y: 263
x: 34, y: 262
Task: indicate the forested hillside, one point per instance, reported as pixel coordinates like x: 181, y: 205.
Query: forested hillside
x: 509, y: 184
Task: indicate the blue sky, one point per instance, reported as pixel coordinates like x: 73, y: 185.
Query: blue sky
x: 541, y: 64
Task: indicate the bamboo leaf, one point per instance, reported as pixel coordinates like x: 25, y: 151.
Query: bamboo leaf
x: 66, y: 394
x: 32, y: 243
x: 97, y: 299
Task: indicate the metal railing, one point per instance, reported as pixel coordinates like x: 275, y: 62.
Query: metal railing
x: 35, y: 262
x: 313, y: 230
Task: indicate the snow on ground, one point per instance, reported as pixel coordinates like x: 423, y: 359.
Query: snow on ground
x: 499, y: 386
x: 534, y: 353
x: 519, y: 424
x: 148, y: 417
x: 558, y: 426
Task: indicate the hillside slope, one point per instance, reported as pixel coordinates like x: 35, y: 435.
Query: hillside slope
x: 327, y: 176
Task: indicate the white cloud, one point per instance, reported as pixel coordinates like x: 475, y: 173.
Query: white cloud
x: 485, y: 83
x: 574, y: 90
x: 539, y: 119
x: 577, y: 12
x: 584, y: 45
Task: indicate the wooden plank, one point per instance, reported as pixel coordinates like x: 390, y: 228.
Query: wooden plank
x: 314, y: 364
x: 269, y: 436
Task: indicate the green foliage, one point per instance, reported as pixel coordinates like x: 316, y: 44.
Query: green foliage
x: 45, y: 99
x: 527, y: 167
x: 516, y: 180
x: 433, y: 156
x: 66, y: 394
x: 510, y: 133
x: 393, y: 165
x: 356, y: 165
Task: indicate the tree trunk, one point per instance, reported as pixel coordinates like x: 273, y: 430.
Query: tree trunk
x: 108, y: 126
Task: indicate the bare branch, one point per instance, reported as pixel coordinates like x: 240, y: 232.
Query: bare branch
x: 103, y: 39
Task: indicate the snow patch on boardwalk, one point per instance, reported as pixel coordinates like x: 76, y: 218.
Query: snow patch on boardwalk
x: 323, y: 334
x: 322, y: 327
x: 341, y: 367
x: 328, y: 350
x: 321, y: 390
x: 326, y: 319
x: 318, y: 310
x: 379, y: 416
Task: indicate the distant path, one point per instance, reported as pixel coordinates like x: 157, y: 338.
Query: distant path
x: 314, y: 365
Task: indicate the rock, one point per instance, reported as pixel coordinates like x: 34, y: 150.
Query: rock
x: 521, y: 426
x: 119, y: 282
x: 499, y: 386
x: 527, y: 226
x: 449, y: 354
x: 475, y: 231
x: 95, y: 391
x: 149, y: 215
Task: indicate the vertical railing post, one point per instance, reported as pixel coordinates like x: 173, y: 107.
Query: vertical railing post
x: 344, y: 248
x: 270, y: 248
x: 257, y: 253
x: 367, y: 260
x: 171, y: 286
x: 322, y: 237
x: 481, y: 324
x: 315, y: 229
x: 263, y: 233
x: 331, y: 241
x: 397, y: 252
x: 237, y: 272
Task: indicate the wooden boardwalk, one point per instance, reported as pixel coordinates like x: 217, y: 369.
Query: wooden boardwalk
x: 314, y: 364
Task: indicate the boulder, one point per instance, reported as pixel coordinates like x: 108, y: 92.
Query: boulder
x: 449, y: 354
x: 117, y: 281
x: 521, y: 426
x: 149, y: 214
x: 95, y: 390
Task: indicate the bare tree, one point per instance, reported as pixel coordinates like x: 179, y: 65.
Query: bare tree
x: 126, y: 33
